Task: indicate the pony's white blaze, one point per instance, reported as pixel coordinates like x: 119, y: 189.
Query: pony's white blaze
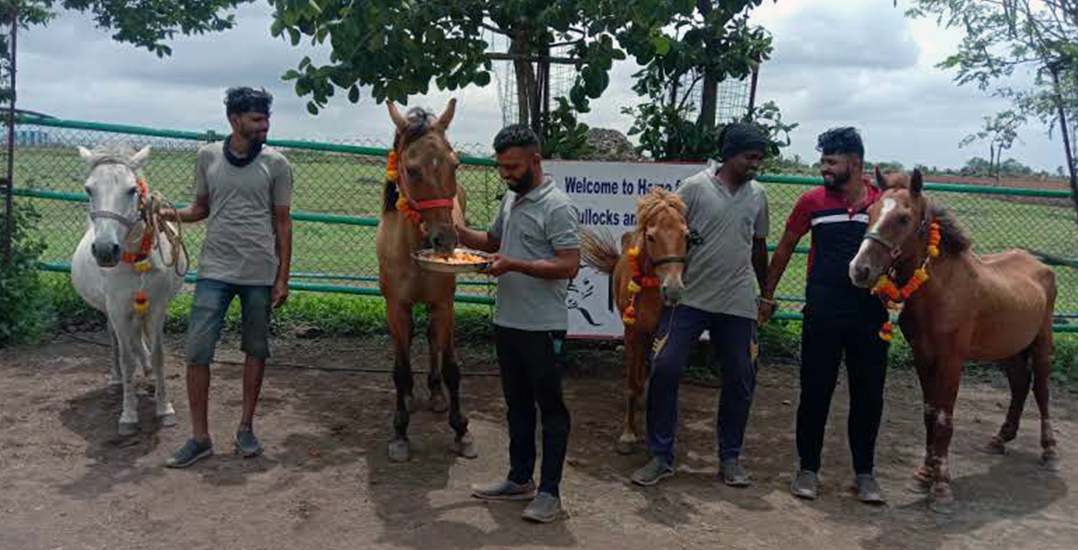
x: 888, y: 207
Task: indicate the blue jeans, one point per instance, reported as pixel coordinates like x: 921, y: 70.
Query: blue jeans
x: 212, y: 299
x: 734, y: 339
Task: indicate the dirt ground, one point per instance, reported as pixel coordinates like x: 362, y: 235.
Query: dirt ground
x: 67, y: 481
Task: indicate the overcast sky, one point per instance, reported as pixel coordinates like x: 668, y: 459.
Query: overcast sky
x: 836, y: 62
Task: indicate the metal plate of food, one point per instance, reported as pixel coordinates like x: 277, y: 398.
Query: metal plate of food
x: 463, y: 260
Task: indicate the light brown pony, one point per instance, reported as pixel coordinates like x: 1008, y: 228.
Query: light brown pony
x: 427, y: 180
x: 661, y: 237
x: 993, y: 307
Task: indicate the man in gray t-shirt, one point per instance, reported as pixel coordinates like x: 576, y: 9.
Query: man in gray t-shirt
x: 245, y: 190
x: 727, y: 213
x: 536, y: 239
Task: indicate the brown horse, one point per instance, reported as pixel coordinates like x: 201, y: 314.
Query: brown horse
x: 993, y: 307
x: 660, y: 243
x: 427, y: 182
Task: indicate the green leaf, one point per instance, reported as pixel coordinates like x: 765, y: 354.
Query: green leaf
x: 312, y: 108
x: 661, y: 44
x: 353, y: 94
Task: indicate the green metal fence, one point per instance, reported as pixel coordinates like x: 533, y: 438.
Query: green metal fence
x: 337, y: 199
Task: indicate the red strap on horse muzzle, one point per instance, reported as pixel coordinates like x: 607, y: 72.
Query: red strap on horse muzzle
x: 435, y: 203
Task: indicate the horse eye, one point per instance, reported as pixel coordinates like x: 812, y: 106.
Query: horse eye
x: 413, y: 174
x: 89, y: 190
x: 651, y: 238
x: 904, y: 219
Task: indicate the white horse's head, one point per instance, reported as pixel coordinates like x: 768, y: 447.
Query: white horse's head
x: 114, y: 197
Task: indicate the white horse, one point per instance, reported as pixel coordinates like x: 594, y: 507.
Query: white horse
x: 113, y: 267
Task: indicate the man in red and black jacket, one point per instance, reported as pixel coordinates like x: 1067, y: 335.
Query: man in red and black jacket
x: 839, y: 318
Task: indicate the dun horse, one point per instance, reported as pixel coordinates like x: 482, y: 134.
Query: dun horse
x: 421, y: 201
x: 128, y: 268
x: 958, y: 306
x: 644, y: 275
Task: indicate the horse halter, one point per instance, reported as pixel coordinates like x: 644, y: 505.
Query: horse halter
x: 143, y: 193
x: 403, y: 185
x: 896, y: 248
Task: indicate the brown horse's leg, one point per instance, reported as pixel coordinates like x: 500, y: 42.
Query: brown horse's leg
x: 1018, y: 376
x: 400, y: 327
x: 948, y: 376
x: 922, y: 476
x: 434, y: 374
x: 1042, y: 354
x: 632, y: 363
x: 443, y: 322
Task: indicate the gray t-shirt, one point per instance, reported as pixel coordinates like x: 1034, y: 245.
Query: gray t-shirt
x: 533, y: 227
x: 240, y: 245
x: 719, y: 277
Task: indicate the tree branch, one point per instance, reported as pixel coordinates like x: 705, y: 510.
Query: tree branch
x: 494, y: 29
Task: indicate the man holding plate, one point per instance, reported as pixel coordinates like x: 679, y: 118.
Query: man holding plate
x: 536, y: 246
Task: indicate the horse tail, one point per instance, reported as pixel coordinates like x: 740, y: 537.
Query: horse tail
x: 599, y: 250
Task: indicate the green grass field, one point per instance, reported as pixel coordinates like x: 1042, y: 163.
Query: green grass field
x: 352, y: 185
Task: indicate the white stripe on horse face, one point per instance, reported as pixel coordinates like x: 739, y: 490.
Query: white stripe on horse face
x: 888, y: 207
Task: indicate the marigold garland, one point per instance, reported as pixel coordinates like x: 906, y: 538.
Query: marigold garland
x: 637, y: 284
x: 893, y: 296
x: 404, y: 206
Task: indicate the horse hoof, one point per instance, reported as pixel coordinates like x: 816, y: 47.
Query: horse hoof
x: 1050, y: 462
x: 465, y: 446
x: 128, y: 428
x: 942, y: 496
x: 921, y: 482
x: 438, y: 403
x: 111, y: 382
x: 626, y: 447
x: 995, y: 446
x: 167, y: 420
x: 942, y: 507
x: 398, y: 450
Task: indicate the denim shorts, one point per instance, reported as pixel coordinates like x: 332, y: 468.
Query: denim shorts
x: 212, y: 299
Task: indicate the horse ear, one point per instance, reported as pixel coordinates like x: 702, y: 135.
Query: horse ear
x: 880, y: 182
x: 139, y: 160
x: 87, y: 155
x: 395, y: 115
x: 916, y: 182
x: 447, y: 116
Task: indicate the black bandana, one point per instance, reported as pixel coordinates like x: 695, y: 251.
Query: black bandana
x: 238, y: 162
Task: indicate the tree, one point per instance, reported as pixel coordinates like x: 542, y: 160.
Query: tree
x: 402, y: 47
x: 1001, y: 131
x: 146, y: 24
x: 1005, y: 36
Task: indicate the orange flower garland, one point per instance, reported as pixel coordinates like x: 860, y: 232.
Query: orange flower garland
x: 893, y: 296
x: 393, y: 175
x: 637, y: 284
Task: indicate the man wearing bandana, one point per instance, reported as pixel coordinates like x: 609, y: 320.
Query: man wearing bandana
x: 244, y: 189
x: 727, y: 210
x: 839, y: 318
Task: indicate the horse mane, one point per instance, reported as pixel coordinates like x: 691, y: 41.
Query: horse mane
x: 953, y: 240
x: 112, y: 153
x: 420, y: 121
x: 653, y: 203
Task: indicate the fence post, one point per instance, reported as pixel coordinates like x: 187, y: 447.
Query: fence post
x: 9, y: 207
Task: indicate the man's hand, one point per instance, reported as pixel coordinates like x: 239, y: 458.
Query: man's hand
x: 500, y: 265
x: 280, y: 293
x: 764, y: 312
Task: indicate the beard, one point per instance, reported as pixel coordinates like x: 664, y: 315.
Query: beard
x: 521, y: 184
x: 838, y: 181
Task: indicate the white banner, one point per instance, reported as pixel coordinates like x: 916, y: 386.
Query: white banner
x: 606, y: 195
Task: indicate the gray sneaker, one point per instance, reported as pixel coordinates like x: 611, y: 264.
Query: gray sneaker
x: 191, y: 452
x: 805, y: 485
x: 504, y: 490
x: 734, y: 474
x: 543, y: 509
x: 868, y: 490
x: 247, y: 445
x: 653, y: 472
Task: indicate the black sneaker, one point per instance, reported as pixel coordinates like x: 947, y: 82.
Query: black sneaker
x: 868, y: 489
x: 734, y: 474
x: 191, y: 452
x: 805, y: 485
x: 653, y: 472
x: 247, y: 445
x: 504, y: 490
